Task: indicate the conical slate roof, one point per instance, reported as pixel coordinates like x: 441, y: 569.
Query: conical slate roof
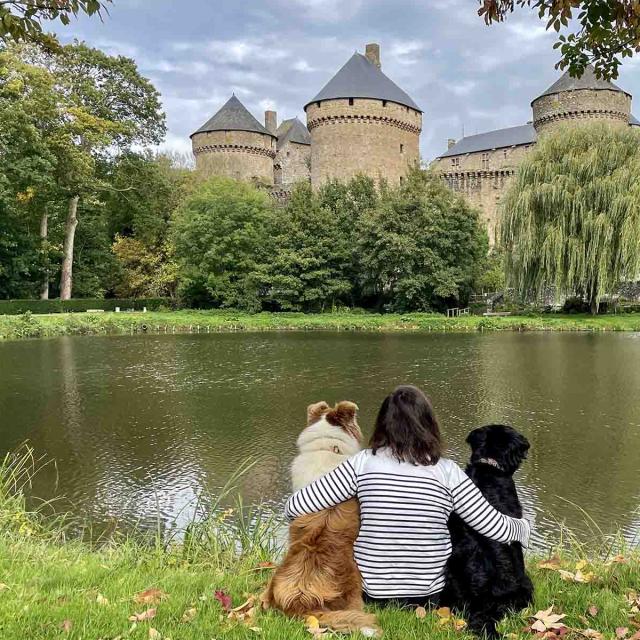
x: 588, y: 80
x: 233, y: 116
x: 360, y: 78
x: 293, y: 130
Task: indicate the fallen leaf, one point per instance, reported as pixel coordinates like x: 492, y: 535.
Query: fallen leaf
x: 459, y: 624
x: 255, y: 629
x: 223, y: 598
x: 583, y: 577
x: 3, y: 586
x: 313, y: 627
x: 593, y: 610
x: 547, y: 620
x: 66, y: 626
x: 552, y: 563
x: 621, y: 632
x: 580, y: 565
x: 189, y: 615
x: 100, y: 599
x: 618, y: 560
x: 635, y: 636
x: 443, y: 612
x: 145, y: 615
x: 154, y: 634
x: 265, y: 565
x: 591, y: 633
x: 245, y: 606
x: 421, y: 612
x: 150, y: 596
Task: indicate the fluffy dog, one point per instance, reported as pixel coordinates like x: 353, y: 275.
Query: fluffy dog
x: 319, y: 575
x: 488, y: 578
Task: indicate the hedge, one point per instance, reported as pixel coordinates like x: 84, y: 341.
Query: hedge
x: 15, y: 307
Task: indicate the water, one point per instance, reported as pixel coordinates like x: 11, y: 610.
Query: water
x: 138, y: 426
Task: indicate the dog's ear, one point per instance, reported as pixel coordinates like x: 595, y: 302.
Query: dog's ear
x: 345, y: 415
x: 316, y: 410
x: 477, y: 438
x: 516, y: 450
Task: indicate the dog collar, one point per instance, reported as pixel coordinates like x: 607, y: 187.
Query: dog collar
x: 491, y: 462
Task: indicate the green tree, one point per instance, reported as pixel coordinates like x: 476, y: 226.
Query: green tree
x: 221, y: 236
x: 607, y: 30
x: 572, y: 217
x: 21, y: 20
x: 309, y: 267
x: 420, y: 248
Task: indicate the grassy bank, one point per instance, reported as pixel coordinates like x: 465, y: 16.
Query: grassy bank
x: 34, y: 326
x: 53, y: 587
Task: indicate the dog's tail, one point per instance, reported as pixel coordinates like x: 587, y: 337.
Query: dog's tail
x: 349, y: 621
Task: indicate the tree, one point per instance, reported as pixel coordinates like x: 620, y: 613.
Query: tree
x: 421, y: 246
x: 608, y: 30
x: 109, y: 106
x: 221, y: 236
x: 572, y: 216
x: 309, y: 267
x: 21, y: 20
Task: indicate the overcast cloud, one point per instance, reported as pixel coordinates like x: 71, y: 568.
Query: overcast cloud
x: 277, y: 54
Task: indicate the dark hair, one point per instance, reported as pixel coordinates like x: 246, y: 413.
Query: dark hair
x: 408, y: 426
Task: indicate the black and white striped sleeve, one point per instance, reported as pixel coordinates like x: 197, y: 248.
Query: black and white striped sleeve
x: 331, y: 489
x: 473, y: 508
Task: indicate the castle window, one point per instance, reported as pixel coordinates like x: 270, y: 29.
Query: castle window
x: 351, y: 102
x: 485, y: 160
x: 318, y: 104
x: 455, y: 162
x: 384, y: 103
x: 401, y: 148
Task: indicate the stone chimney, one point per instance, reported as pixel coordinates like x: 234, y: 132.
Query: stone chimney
x: 450, y: 143
x: 372, y: 53
x: 271, y: 121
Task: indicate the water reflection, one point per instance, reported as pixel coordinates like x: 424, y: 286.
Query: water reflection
x: 141, y: 425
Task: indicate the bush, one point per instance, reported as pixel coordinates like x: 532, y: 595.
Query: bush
x: 16, y: 307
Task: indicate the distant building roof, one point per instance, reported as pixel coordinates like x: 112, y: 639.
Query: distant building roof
x: 293, y: 130
x: 588, y: 80
x: 360, y: 78
x: 512, y: 136
x: 233, y: 116
x: 500, y: 138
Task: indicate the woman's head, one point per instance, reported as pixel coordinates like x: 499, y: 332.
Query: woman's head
x: 408, y: 427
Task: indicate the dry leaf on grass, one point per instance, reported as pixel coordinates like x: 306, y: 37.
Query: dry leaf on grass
x: 547, y: 621
x: 264, y: 566
x: 593, y: 610
x: 3, y: 586
x: 245, y: 613
x: 552, y: 564
x: 154, y: 634
x: 150, y: 596
x: 446, y: 618
x: 66, y: 625
x: 578, y: 576
x: 145, y: 615
x: 622, y: 632
x: 189, y: 614
x: 421, y: 612
x: 100, y: 599
x: 312, y: 625
x: 591, y: 633
x: 223, y: 598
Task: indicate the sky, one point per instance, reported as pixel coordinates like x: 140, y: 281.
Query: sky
x: 278, y: 54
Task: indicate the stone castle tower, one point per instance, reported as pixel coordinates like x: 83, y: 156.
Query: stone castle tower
x: 234, y: 144
x: 361, y: 122
x: 481, y: 167
x: 580, y: 99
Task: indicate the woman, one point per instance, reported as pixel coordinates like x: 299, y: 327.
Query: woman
x: 406, y: 492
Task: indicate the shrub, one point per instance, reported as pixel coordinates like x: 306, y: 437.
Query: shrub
x: 16, y: 307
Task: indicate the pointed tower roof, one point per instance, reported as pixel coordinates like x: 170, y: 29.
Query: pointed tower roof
x: 588, y: 80
x: 233, y: 116
x: 293, y: 130
x: 361, y: 78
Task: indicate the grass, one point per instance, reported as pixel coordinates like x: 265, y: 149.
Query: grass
x: 52, y: 586
x: 192, y: 321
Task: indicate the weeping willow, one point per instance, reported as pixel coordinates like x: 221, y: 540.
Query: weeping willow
x: 572, y: 216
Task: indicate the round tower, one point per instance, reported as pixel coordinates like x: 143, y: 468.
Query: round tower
x: 584, y: 99
x: 363, y: 123
x: 234, y: 144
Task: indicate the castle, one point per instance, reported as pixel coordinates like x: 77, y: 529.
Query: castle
x: 481, y: 166
x: 361, y: 122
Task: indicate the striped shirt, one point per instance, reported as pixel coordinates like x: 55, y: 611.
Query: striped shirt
x: 404, y: 542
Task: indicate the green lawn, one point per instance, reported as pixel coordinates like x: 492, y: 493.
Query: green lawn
x: 33, y: 326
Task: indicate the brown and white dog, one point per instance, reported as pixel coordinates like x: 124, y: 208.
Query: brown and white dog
x: 319, y: 575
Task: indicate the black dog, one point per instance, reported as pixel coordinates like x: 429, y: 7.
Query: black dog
x: 485, y: 578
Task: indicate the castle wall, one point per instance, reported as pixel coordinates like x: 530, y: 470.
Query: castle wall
x: 582, y: 105
x: 292, y: 163
x: 370, y: 137
x: 243, y: 155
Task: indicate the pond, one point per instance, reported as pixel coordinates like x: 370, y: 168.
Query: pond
x: 140, y: 425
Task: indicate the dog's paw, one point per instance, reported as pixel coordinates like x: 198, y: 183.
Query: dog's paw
x: 371, y: 632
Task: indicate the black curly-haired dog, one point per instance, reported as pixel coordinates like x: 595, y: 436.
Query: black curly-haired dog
x: 488, y: 579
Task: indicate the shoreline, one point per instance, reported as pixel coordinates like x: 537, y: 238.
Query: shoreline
x: 226, y: 321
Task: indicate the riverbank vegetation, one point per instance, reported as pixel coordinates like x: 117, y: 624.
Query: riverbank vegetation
x: 207, y: 584
x: 189, y: 321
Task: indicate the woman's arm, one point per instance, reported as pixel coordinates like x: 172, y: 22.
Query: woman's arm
x: 331, y: 489
x: 473, y: 508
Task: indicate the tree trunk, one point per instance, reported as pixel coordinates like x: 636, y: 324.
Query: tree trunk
x: 66, y: 276
x: 595, y: 305
x: 44, y: 232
